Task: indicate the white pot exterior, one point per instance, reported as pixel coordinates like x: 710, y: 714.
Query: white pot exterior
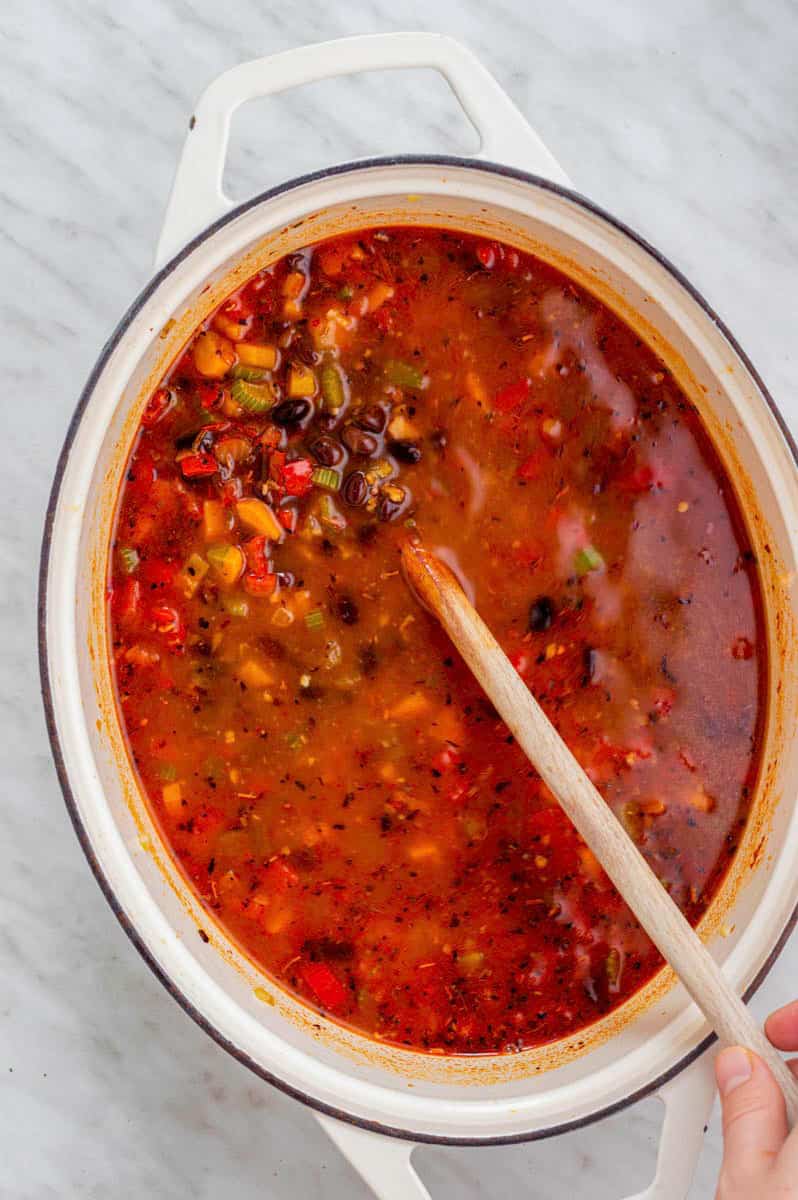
x: 338, y: 1072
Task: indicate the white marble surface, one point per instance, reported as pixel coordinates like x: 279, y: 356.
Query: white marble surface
x: 681, y: 118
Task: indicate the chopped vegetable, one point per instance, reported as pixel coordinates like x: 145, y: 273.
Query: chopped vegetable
x: 253, y: 397
x: 227, y: 561
x: 333, y: 388
x: 250, y: 374
x: 130, y: 558
x: 404, y: 375
x: 252, y: 355
x: 215, y: 520
x: 213, y: 354
x: 314, y: 620
x: 172, y: 796
x: 297, y: 477
x: 327, y: 477
x: 193, y: 574
x: 256, y: 516
x: 198, y: 466
x: 301, y: 380
x: 325, y: 985
x: 588, y: 559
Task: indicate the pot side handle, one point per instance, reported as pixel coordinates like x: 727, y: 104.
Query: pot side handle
x: 384, y: 1163
x: 197, y: 198
x: 688, y: 1102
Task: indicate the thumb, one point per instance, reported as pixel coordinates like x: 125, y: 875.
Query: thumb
x: 754, y: 1118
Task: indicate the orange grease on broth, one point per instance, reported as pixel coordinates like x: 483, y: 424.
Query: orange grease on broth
x: 336, y: 787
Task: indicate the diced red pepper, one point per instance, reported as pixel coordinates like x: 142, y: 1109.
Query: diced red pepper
x: 486, y: 255
x: 167, y: 621
x: 287, y: 518
x: 198, y: 466
x: 259, y: 585
x: 325, y: 985
x: 210, y: 394
x: 255, y: 552
x: 157, y: 407
x: 297, y: 477
x: 510, y: 398
x: 125, y: 601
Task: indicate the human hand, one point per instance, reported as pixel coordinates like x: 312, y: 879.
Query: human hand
x: 760, y: 1156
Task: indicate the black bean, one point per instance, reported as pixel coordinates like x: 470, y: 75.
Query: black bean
x: 327, y: 451
x: 291, y: 412
x: 347, y: 610
x: 405, y: 451
x: 541, y: 614
x: 359, y: 442
x: 373, y: 419
x: 355, y: 490
x: 388, y: 509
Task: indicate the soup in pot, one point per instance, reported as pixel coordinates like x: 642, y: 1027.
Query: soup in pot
x: 340, y: 793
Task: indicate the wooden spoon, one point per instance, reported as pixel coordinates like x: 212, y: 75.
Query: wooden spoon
x: 670, y: 931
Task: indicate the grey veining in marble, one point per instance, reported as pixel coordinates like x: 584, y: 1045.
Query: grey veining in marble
x: 681, y: 118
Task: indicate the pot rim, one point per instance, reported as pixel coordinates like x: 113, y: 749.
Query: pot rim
x: 105, y: 884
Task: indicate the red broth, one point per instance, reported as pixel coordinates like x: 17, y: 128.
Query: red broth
x: 340, y: 793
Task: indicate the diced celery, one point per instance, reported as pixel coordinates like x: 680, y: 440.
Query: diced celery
x: 250, y: 374
x: 332, y: 388
x: 404, y: 375
x: 587, y: 559
x: 129, y: 558
x: 253, y: 397
x: 314, y: 620
x: 327, y: 477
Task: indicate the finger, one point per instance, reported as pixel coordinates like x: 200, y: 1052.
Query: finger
x: 754, y: 1118
x: 782, y: 1027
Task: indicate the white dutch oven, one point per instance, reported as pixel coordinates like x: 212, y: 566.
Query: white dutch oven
x: 377, y: 1102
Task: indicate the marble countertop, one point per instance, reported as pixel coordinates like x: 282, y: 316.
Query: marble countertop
x: 679, y: 118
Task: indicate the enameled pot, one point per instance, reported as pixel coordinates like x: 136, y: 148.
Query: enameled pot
x: 375, y: 1101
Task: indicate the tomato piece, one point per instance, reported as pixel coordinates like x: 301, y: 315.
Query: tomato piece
x: 157, y: 407
x: 259, y: 585
x: 510, y: 398
x: 198, y: 466
x: 325, y: 985
x: 297, y: 477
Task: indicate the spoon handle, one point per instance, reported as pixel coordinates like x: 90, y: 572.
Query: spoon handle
x: 659, y: 915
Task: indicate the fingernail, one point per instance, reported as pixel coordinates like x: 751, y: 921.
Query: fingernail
x: 732, y: 1068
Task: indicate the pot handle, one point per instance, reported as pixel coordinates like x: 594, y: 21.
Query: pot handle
x: 385, y: 1164
x: 197, y: 198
